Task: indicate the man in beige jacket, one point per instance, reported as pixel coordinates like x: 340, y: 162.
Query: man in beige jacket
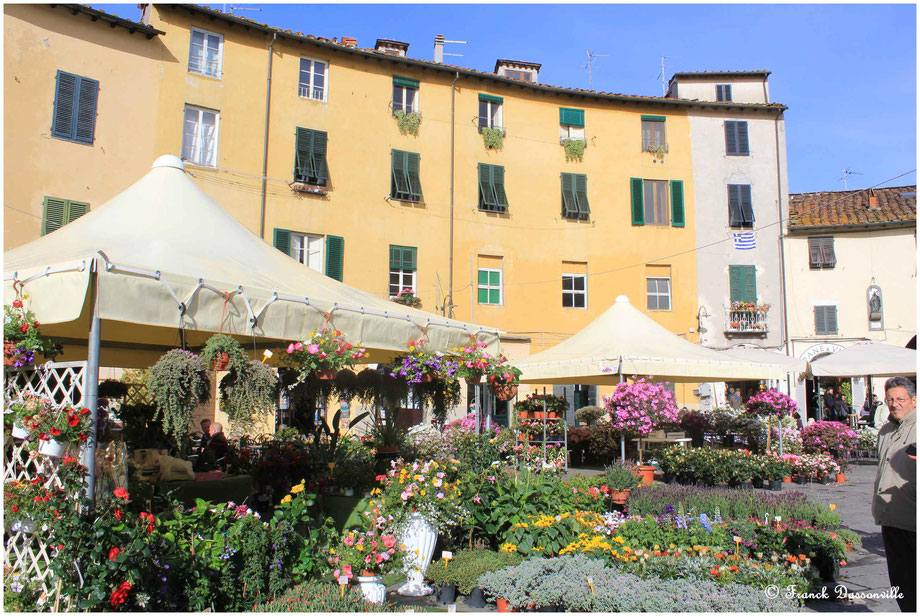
x: 894, y: 505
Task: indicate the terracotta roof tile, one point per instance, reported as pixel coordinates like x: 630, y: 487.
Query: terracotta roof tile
x: 895, y: 205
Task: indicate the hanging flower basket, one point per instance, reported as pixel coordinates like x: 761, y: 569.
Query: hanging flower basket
x: 8, y: 353
x: 326, y: 375
x: 221, y: 362
x: 505, y: 392
x: 51, y: 448
x: 470, y: 380
x: 323, y: 354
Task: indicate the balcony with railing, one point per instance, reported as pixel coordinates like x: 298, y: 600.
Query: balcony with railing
x: 746, y: 318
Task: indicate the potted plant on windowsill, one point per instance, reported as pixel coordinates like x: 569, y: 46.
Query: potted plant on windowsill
x: 658, y: 151
x: 407, y: 297
x: 408, y: 123
x: 308, y: 188
x: 493, y: 138
x: 574, y: 149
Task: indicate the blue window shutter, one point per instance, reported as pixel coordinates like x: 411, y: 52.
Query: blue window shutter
x: 85, y: 121
x: 742, y: 128
x: 65, y: 98
x: 731, y: 138
x: 677, y: 203
x: 335, y: 256
x: 638, y: 207
x: 747, y: 206
x: 282, y: 241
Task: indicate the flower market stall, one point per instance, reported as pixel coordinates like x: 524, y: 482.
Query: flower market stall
x: 866, y: 359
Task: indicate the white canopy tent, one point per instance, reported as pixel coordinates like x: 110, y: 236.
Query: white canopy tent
x: 624, y: 341
x: 163, y: 258
x: 791, y: 364
x: 866, y: 359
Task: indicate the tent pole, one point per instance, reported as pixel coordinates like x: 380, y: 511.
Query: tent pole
x: 91, y: 391
x: 622, y: 437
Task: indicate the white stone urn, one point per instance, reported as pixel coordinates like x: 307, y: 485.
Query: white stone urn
x: 372, y: 588
x: 419, y: 538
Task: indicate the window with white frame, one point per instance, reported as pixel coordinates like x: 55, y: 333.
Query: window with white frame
x: 403, y: 269
x: 314, y: 76
x: 307, y: 248
x: 490, y: 112
x: 405, y: 94
x: 199, y: 136
x: 489, y: 286
x: 571, y: 132
x: 205, y: 53
x: 574, y: 291
x: 658, y: 291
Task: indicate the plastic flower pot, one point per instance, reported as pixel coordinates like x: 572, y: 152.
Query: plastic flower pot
x: 476, y: 599
x: 51, y: 448
x: 800, y: 479
x: 25, y: 526
x: 776, y: 486
x: 826, y: 479
x: 787, y: 479
x: 503, y: 606
x: 18, y: 432
x: 448, y: 594
x: 841, y: 478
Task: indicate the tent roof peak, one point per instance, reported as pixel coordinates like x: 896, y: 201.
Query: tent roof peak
x: 169, y: 160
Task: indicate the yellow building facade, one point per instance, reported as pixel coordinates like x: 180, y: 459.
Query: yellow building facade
x: 503, y: 232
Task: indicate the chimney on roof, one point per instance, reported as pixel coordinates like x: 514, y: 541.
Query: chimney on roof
x: 349, y: 41
x: 439, y: 48
x: 392, y: 48
x: 515, y: 69
x: 873, y: 200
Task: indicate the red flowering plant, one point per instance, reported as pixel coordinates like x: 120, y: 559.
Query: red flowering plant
x: 473, y: 361
x: 64, y: 424
x: 20, y: 331
x: 771, y: 403
x: 324, y: 350
x: 367, y: 552
x: 636, y: 408
x: 503, y: 373
x: 830, y: 437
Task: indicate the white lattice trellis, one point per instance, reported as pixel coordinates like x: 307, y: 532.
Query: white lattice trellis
x: 64, y: 383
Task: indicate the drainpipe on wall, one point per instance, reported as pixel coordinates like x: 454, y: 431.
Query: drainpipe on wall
x: 268, y: 102
x: 784, y: 324
x: 450, y: 276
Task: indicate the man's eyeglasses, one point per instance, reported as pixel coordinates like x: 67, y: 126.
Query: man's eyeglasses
x: 891, y: 401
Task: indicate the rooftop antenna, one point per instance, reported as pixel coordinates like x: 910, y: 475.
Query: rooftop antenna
x: 439, y: 52
x: 240, y: 8
x: 664, y: 81
x: 590, y: 66
x: 847, y: 173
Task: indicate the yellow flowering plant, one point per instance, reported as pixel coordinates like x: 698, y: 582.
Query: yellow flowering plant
x: 546, y: 535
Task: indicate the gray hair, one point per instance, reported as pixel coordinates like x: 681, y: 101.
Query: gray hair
x: 901, y: 381
x: 216, y: 427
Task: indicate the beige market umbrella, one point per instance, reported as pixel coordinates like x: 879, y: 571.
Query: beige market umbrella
x: 624, y: 341
x: 866, y: 359
x: 791, y: 364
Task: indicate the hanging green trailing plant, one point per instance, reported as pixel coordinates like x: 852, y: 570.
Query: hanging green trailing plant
x: 657, y: 151
x: 574, y: 149
x: 247, y: 393
x: 493, y: 137
x: 178, y: 383
x: 408, y: 123
x: 221, y: 352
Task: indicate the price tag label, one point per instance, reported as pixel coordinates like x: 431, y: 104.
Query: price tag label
x: 778, y: 519
x: 266, y: 354
x: 452, y: 607
x: 591, y: 584
x: 343, y: 580
x: 737, y: 539
x: 447, y: 555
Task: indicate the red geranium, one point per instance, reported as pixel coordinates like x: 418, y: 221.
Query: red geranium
x: 24, y: 327
x: 121, y: 493
x: 120, y: 595
x: 118, y: 513
x: 55, y: 432
x: 113, y: 553
x: 84, y: 411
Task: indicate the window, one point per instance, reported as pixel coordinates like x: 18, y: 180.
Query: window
x: 575, y: 196
x: 520, y: 75
x: 405, y: 94
x: 313, y: 77
x: 489, y: 285
x: 205, y: 52
x: 653, y: 134
x: 403, y: 267
x: 199, y: 138
x: 650, y: 202
x: 404, y: 178
x: 658, y: 292
x: 724, y: 93
x: 736, y: 139
x: 740, y: 209
x: 310, y: 157
x: 58, y: 212
x: 490, y: 112
x: 324, y: 254
x: 492, y: 197
x: 743, y: 283
x: 821, y: 253
x: 571, y: 124
x: 826, y: 320
x: 574, y: 291
x: 74, y: 116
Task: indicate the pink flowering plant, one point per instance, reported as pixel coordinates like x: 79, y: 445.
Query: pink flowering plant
x: 407, y: 297
x: 503, y: 373
x: 360, y: 552
x: 771, y: 403
x: 326, y: 349
x: 473, y: 361
x: 428, y: 487
x: 636, y: 408
x: 829, y: 437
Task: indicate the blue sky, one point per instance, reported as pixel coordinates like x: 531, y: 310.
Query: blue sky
x: 846, y: 72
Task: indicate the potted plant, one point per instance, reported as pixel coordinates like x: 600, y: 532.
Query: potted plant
x: 22, y: 340
x: 774, y: 469
x: 473, y: 361
x: 574, y: 149
x: 324, y: 353
x: 57, y: 426
x: 621, y: 479
x: 770, y: 404
x: 23, y: 414
x: 372, y: 553
x: 465, y: 569
x: 178, y: 383
x: 367, y: 385
x: 832, y: 438
x: 503, y: 379
x: 408, y: 123
x: 695, y: 423
x: 221, y: 352
x: 419, y: 366
x: 407, y: 297
x: 588, y: 415
x: 492, y: 137
x: 247, y: 391
x: 534, y: 405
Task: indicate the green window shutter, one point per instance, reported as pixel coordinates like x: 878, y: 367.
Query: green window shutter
x: 412, y: 169
x: 54, y: 212
x: 65, y: 99
x: 638, y: 207
x: 282, y: 241
x: 318, y: 155
x: 571, y: 117
x: 750, y: 284
x: 490, y: 98
x: 335, y: 256
x: 486, y: 192
x: 747, y: 205
x: 569, y: 201
x: 677, y: 203
x: 403, y: 257
x: 410, y: 258
x: 76, y: 209
x: 400, y: 178
x: 581, y: 193
x: 303, y: 152
x: 736, y: 282
x: 405, y: 82
x: 395, y: 257
x: 498, y: 184
x: 85, y: 124
x: 654, y: 118
x: 735, y: 217
x: 820, y: 320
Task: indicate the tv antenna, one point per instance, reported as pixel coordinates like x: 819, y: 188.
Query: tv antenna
x: 240, y: 8
x: 590, y: 66
x: 846, y: 174
x: 664, y: 82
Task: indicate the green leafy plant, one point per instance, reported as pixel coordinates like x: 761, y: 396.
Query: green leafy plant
x: 221, y: 352
x: 588, y: 415
x: 407, y: 297
x: 657, y: 150
x: 493, y: 138
x: 408, y: 123
x: 467, y: 567
x: 178, y: 383
x: 621, y: 476
x: 248, y: 391
x: 574, y: 149
x: 535, y: 403
x: 322, y: 597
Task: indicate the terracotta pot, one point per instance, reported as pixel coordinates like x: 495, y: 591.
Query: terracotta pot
x: 503, y: 606
x: 647, y: 474
x: 841, y: 477
x: 326, y: 375
x: 619, y: 497
x: 221, y: 362
x: 787, y: 479
x: 473, y: 380
x: 504, y: 392
x: 367, y: 573
x: 386, y: 449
